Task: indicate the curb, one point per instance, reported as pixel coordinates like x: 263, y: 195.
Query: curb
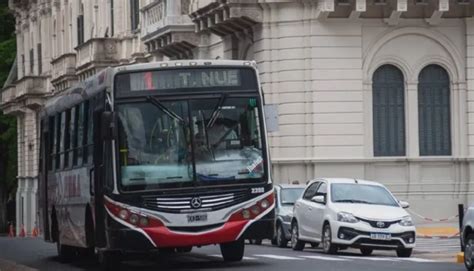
x: 12, y: 266
x: 437, y: 232
x: 460, y: 257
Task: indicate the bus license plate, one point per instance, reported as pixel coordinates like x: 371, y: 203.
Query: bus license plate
x: 381, y: 236
x: 197, y: 218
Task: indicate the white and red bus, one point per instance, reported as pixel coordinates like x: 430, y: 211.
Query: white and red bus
x: 165, y: 155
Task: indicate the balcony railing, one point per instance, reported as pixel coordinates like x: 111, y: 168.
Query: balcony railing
x: 30, y: 90
x: 223, y: 17
x: 97, y: 53
x: 167, y: 28
x: 63, y: 66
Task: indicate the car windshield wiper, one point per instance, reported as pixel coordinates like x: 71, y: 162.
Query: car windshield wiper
x: 353, y: 201
x: 163, y: 108
x: 217, y: 110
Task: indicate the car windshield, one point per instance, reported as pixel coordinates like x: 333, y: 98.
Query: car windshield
x: 158, y: 141
x: 288, y: 196
x: 362, y: 194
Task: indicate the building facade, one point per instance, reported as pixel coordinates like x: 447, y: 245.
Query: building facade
x: 373, y: 89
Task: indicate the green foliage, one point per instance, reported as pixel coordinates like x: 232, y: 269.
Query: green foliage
x: 8, y: 154
x: 8, y: 137
x: 7, y: 22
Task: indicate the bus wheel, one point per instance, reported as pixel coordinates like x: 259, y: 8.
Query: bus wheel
x: 65, y: 253
x: 233, y: 251
x: 184, y: 249
x: 109, y: 260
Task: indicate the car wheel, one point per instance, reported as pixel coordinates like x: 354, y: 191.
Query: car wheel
x: 233, y: 251
x: 281, y: 240
x: 366, y: 251
x: 468, y: 252
x: 404, y: 252
x: 328, y: 246
x: 314, y: 244
x: 296, y: 244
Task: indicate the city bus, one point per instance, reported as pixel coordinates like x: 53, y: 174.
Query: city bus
x: 156, y: 157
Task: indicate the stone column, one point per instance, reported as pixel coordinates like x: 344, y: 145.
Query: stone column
x: 470, y: 102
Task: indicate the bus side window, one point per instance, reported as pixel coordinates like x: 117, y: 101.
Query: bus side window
x: 61, y: 140
x: 72, y: 136
x: 67, y: 137
x: 85, y: 133
x: 57, y: 141
x: 78, y: 141
x: 50, y: 152
x: 41, y: 142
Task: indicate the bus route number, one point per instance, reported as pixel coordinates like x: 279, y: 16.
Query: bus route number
x: 257, y: 190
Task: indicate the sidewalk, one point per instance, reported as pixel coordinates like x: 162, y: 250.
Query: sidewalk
x: 437, y: 229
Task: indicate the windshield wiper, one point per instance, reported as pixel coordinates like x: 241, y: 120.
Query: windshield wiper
x: 163, y: 108
x: 217, y: 110
x: 353, y: 201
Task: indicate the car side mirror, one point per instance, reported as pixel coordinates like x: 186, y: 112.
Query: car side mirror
x: 404, y: 204
x: 319, y: 199
x: 108, y: 129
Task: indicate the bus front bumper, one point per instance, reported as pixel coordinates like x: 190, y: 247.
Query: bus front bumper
x: 125, y: 238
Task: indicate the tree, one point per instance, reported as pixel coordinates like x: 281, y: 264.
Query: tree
x: 8, y: 137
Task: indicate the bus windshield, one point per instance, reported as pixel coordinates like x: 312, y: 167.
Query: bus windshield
x: 165, y: 144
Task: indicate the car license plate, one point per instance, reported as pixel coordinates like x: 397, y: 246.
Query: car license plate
x: 192, y: 218
x: 381, y: 236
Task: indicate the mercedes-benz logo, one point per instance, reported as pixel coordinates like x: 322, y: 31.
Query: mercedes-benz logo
x: 380, y: 224
x: 196, y: 202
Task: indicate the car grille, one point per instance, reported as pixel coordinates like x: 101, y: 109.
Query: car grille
x: 381, y: 243
x: 373, y: 223
x: 210, y: 201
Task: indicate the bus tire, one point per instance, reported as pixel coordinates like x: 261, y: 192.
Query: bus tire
x: 109, y: 260
x: 184, y: 249
x: 233, y: 251
x: 65, y: 253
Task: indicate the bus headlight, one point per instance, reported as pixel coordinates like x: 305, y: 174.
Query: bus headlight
x: 123, y: 214
x: 246, y: 214
x: 255, y: 210
x: 133, y: 219
x: 264, y: 204
x: 143, y: 221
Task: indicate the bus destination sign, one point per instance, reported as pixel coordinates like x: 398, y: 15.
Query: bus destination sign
x: 190, y: 78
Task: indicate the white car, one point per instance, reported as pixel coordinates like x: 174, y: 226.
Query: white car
x: 467, y: 238
x: 342, y: 213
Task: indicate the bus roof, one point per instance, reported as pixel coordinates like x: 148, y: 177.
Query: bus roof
x: 102, y: 80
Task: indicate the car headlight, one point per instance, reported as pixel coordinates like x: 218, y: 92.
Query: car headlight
x: 406, y: 221
x: 346, y: 217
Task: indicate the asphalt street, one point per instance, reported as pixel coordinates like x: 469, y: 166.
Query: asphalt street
x: 40, y: 255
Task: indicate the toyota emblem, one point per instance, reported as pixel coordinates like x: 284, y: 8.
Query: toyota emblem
x: 380, y: 224
x: 196, y: 202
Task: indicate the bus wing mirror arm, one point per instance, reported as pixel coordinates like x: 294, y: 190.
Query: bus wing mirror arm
x: 108, y: 125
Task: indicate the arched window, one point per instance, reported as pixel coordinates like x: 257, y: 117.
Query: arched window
x: 388, y: 111
x: 434, y: 116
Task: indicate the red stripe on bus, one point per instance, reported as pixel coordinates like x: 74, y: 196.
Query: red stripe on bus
x: 163, y: 237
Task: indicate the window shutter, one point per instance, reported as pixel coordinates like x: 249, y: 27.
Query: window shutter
x: 32, y: 61
x: 388, y: 112
x: 434, y: 111
x: 80, y: 29
x: 40, y: 58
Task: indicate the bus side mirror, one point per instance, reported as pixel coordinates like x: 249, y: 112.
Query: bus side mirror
x: 271, y: 117
x: 108, y: 128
